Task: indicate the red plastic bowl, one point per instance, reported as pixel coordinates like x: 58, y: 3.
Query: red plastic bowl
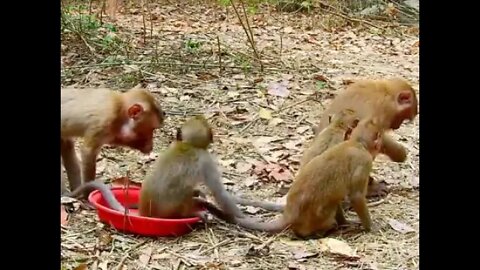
x: 132, y: 222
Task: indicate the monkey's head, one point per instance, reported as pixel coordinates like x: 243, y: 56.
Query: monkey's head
x: 346, y: 118
x: 144, y: 116
x: 405, y: 100
x: 196, y: 131
x: 369, y: 132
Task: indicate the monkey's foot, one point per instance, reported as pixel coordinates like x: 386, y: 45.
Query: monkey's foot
x: 376, y: 189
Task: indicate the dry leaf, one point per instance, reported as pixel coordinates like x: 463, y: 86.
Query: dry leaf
x: 184, y: 98
x: 243, y: 167
x: 320, y: 77
x: 265, y: 114
x: 150, y: 157
x: 302, y: 129
x: 124, y: 181
x: 292, y: 145
x: 233, y: 94
x: 63, y: 215
x: 280, y: 174
x: 301, y: 255
x: 278, y: 89
x: 250, y: 181
x: 415, y: 181
x: 336, y: 247
x: 260, y: 141
x: 347, y: 82
x: 144, y: 258
x: 103, y: 265
x: 400, y: 227
x: 288, y: 29
x: 81, y: 267
x: 275, y: 121
x: 226, y: 162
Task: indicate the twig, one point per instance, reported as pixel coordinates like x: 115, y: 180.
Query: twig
x: 187, y: 261
x: 250, y: 39
x: 182, y: 64
x: 346, y: 17
x: 293, y: 105
x: 144, y: 23
x: 251, y: 36
x: 247, y: 126
x: 224, y: 242
x: 219, y: 56
x: 127, y: 253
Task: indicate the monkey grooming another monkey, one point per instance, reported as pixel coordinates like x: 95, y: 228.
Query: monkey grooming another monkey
x: 169, y: 191
x: 314, y: 200
x: 339, y: 130
x: 103, y: 116
x: 392, y: 101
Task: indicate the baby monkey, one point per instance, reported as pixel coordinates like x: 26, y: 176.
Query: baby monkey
x: 339, y: 130
x: 169, y: 191
x: 314, y: 200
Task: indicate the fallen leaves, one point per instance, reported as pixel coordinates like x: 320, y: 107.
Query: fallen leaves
x: 265, y: 114
x: 278, y: 89
x: 337, y: 247
x: 399, y: 226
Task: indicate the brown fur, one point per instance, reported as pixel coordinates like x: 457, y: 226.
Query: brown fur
x: 170, y: 189
x: 313, y: 201
x: 102, y: 116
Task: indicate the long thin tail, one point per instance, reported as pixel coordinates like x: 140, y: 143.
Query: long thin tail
x: 107, y: 194
x: 274, y: 207
x: 274, y: 226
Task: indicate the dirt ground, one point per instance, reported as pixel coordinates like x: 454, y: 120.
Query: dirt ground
x: 258, y: 118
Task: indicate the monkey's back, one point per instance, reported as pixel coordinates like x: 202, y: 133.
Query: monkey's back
x: 168, y: 190
x: 81, y: 108
x: 324, y: 140
x: 320, y: 186
x: 361, y: 97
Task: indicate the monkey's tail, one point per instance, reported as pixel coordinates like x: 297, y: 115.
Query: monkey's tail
x: 104, y: 189
x: 274, y: 207
x: 274, y: 226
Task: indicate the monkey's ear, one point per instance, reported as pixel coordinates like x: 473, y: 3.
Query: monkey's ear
x: 179, y: 134
x: 355, y: 123
x: 134, y: 111
x: 404, y: 97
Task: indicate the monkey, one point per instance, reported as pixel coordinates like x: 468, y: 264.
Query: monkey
x: 313, y: 201
x: 339, y: 130
x: 169, y: 190
x: 103, y: 116
x: 391, y: 100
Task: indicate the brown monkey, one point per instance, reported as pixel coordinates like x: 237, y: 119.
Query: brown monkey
x: 169, y: 191
x: 313, y: 201
x: 102, y: 116
x: 339, y: 130
x: 392, y: 101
